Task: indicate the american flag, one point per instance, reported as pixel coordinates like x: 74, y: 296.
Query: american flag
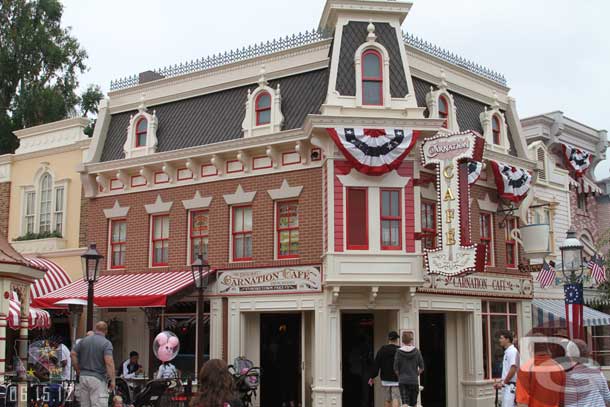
x: 598, y: 268
x: 574, y: 310
x: 546, y: 276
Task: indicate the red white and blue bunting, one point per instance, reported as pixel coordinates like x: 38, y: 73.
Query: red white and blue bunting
x: 513, y: 183
x: 374, y: 151
x: 474, y: 171
x: 577, y: 159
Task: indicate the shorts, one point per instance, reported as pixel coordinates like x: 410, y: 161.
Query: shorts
x: 408, y: 394
x: 391, y: 393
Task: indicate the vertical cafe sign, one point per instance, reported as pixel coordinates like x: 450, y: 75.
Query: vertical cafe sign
x: 450, y: 153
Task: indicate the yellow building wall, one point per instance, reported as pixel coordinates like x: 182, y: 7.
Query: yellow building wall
x: 62, y: 166
x: 71, y: 264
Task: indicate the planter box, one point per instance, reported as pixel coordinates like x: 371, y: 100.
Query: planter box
x: 51, y: 244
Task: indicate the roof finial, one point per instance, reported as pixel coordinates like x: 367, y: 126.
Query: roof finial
x: 495, y: 104
x: 262, y: 81
x: 371, y: 29
x: 142, y: 106
x: 443, y: 83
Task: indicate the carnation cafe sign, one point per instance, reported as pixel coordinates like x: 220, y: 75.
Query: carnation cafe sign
x: 480, y: 285
x: 450, y: 153
x: 270, y: 280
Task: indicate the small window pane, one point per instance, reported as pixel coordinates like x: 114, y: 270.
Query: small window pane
x: 248, y: 245
x: 485, y: 346
x: 371, y: 93
x: 497, y: 324
x: 513, y: 308
x: 372, y: 67
x: 264, y: 116
x: 247, y: 218
x: 497, y: 307
x: 141, y: 140
x: 142, y: 125
x: 443, y: 108
x: 264, y: 101
x: 357, y: 218
x: 394, y: 203
x: 385, y: 203
x: 59, y: 199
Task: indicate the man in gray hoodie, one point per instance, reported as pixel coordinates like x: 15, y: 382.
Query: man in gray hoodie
x: 408, y: 365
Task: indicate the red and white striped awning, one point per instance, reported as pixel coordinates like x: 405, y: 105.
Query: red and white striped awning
x: 123, y: 290
x: 54, y: 279
x: 38, y: 318
x: 584, y: 186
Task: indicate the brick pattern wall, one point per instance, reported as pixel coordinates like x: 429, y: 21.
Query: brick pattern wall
x: 138, y: 222
x: 585, y: 221
x: 5, y: 197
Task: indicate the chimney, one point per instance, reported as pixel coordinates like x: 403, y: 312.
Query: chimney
x: 149, y: 76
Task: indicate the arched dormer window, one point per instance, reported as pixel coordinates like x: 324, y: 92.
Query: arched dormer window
x: 443, y: 109
x: 141, y: 132
x: 495, y: 129
x: 263, y: 108
x: 46, y: 202
x: 372, y: 78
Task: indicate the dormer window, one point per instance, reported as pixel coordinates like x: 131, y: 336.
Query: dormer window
x: 141, y: 132
x: 443, y: 109
x: 372, y: 78
x: 495, y: 129
x: 263, y: 108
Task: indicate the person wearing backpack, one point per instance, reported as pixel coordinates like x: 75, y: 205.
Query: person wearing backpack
x: 215, y: 386
x: 408, y: 365
x: 384, y: 367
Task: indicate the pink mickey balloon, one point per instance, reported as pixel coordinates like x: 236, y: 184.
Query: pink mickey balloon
x: 166, y: 346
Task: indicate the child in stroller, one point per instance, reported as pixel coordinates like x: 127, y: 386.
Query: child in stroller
x: 246, y: 377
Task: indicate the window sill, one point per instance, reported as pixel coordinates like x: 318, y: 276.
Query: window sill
x: 50, y: 244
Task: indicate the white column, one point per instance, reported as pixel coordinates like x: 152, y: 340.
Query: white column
x: 216, y: 319
x: 327, y: 386
x: 234, y: 332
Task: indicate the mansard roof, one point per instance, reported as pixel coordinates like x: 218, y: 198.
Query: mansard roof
x: 218, y: 117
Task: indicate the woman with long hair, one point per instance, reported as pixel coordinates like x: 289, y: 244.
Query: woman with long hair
x: 215, y: 387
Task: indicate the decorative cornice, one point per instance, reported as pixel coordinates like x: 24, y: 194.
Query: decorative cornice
x: 285, y: 191
x: 158, y: 207
x: 239, y: 197
x: 117, y: 211
x: 197, y: 202
x: 487, y: 205
x: 319, y: 121
x: 509, y: 159
x: 52, y: 127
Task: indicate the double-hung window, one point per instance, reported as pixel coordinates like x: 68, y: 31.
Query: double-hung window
x: 496, y: 316
x: 372, y: 78
x: 428, y: 225
x: 263, y: 109
x: 287, y: 229
x: 391, y: 219
x: 357, y: 219
x: 59, y: 210
x: 160, y: 240
x: 141, y: 132
x: 199, y: 232
x: 511, y: 245
x: 46, y: 200
x: 118, y: 243
x: 242, y: 233
x: 30, y: 211
x: 486, y: 233
x: 443, y: 110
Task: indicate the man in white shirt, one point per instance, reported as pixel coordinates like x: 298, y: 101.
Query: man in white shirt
x: 510, y: 366
x: 66, y: 363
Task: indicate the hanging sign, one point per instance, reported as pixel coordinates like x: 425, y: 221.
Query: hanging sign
x: 374, y: 151
x: 513, y: 183
x: 451, y: 153
x: 577, y: 159
x: 297, y: 279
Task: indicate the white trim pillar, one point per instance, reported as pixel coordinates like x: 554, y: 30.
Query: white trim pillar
x: 216, y: 318
x: 327, y: 387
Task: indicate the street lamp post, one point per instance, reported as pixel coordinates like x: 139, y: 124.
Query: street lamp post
x: 91, y: 261
x: 200, y: 269
x: 573, y: 269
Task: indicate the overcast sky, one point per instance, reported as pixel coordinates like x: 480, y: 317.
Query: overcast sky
x: 555, y: 54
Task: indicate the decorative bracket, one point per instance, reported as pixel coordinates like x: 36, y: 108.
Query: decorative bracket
x: 219, y: 163
x: 193, y: 165
x: 147, y: 173
x: 244, y: 159
x: 334, y: 299
x: 170, y: 170
x: 373, y: 295
x: 273, y: 155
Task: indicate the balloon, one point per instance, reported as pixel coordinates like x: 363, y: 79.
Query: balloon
x: 166, y: 346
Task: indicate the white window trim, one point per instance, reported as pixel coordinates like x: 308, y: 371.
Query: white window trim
x: 117, y: 211
x: 188, y: 231
x: 239, y: 197
x: 159, y: 207
x: 276, y: 120
x: 285, y: 192
x: 432, y: 101
x: 276, y: 203
x: 197, y: 202
x: 109, y: 240
x: 486, y: 118
x: 151, y: 248
x: 129, y: 148
x: 231, y: 210
x: 385, y: 64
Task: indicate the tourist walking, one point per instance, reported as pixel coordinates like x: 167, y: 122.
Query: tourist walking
x: 92, y: 360
x: 541, y: 380
x: 586, y: 385
x: 408, y: 365
x: 510, y: 365
x: 384, y: 367
x: 216, y: 387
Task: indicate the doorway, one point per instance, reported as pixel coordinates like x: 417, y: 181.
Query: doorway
x: 357, y: 333
x: 280, y: 353
x: 432, y: 346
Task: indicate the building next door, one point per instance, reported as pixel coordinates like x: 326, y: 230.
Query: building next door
x: 281, y: 361
x: 357, y: 334
x: 432, y: 347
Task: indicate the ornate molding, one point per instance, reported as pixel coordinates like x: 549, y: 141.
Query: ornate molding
x: 197, y: 202
x: 117, y: 211
x: 239, y: 197
x: 39, y: 245
x: 487, y: 205
x: 158, y: 207
x: 285, y: 191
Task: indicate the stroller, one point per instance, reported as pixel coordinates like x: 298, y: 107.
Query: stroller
x: 246, y: 378
x: 150, y: 396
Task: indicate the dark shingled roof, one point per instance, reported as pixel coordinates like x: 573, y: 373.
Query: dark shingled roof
x: 354, y: 35
x: 217, y: 117
x: 467, y: 110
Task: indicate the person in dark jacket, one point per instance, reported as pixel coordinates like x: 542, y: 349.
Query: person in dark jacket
x: 408, y: 365
x: 384, y: 367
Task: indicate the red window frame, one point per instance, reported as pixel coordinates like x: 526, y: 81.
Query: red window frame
x: 259, y: 109
x: 443, y: 110
x: 242, y: 233
x: 350, y: 246
x: 511, y: 245
x: 289, y: 229
x: 429, y: 233
x: 376, y: 79
x: 495, y: 129
x: 139, y: 133
x: 511, y: 317
x: 117, y: 243
x: 197, y: 233
x: 389, y: 218
x: 154, y: 240
x: 486, y: 235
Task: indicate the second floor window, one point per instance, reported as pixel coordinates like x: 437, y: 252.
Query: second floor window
x: 443, y: 110
x: 30, y: 211
x: 581, y: 202
x: 160, y: 240
x: 242, y: 233
x: 46, y: 200
x: 428, y: 225
x: 263, y: 108
x: 59, y: 210
x: 357, y: 219
x: 118, y: 243
x: 199, y: 232
x: 511, y: 245
x: 372, y: 78
x: 287, y: 229
x: 495, y: 129
x: 486, y: 233
x: 391, y: 220
x: 141, y: 132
